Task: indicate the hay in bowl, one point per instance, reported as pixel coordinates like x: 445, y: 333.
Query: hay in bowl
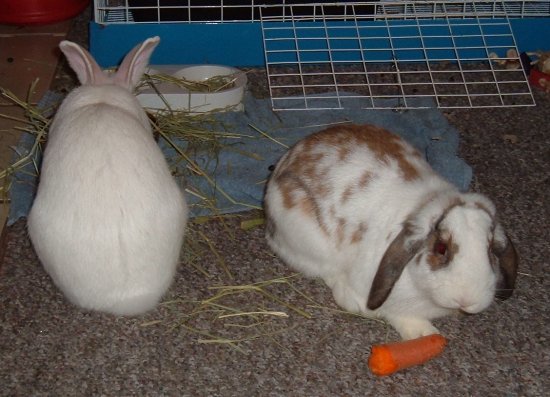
x: 195, y: 89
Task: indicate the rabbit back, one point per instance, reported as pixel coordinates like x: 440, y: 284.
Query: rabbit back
x: 114, y: 215
x: 334, y: 189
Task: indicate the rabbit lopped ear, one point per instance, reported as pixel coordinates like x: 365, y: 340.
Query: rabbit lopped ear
x: 508, y: 264
x: 398, y: 254
x: 133, y: 66
x: 407, y: 244
x: 84, y: 65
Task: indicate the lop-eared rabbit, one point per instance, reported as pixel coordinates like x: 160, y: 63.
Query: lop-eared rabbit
x: 360, y: 208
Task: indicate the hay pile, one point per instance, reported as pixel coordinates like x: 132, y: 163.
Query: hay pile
x: 248, y: 312
x: 35, y: 123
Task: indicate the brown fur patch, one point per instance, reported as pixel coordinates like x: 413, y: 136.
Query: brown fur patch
x: 341, y: 230
x: 321, y: 190
x: 332, y: 211
x: 359, y: 233
x: 287, y: 186
x: 307, y: 206
x: 386, y: 145
x: 365, y: 179
x: 346, y: 194
x: 354, y: 188
x: 296, y: 193
x: 343, y: 153
x: 303, y: 178
x: 435, y: 259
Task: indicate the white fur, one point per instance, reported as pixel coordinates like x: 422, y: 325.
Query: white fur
x: 384, y: 205
x: 108, y: 219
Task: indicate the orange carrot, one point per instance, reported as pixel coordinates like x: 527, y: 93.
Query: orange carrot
x: 391, y: 357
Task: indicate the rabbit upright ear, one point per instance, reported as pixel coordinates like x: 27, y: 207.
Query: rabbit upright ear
x: 133, y: 66
x: 84, y: 65
x: 398, y: 254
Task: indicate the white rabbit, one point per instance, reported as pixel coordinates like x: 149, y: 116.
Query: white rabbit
x: 108, y: 219
x: 360, y: 208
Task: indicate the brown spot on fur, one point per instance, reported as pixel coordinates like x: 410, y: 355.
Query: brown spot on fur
x: 304, y: 164
x: 352, y: 188
x: 340, y: 230
x: 410, y: 173
x: 296, y: 193
x: 307, y: 206
x: 346, y: 194
x: 435, y: 259
x: 287, y: 186
x: 332, y: 212
x: 359, y: 233
x: 321, y: 190
x: 365, y: 179
x: 309, y: 171
x: 303, y: 178
x: 344, y: 152
x: 386, y: 145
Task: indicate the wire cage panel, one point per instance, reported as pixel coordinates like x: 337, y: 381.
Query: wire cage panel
x: 396, y: 60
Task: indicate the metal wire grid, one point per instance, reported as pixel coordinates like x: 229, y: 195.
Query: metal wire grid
x: 442, y: 59
x: 190, y: 11
x: 180, y: 11
x: 464, y: 9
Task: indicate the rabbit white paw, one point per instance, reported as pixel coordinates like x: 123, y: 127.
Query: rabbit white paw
x: 345, y: 296
x: 412, y: 328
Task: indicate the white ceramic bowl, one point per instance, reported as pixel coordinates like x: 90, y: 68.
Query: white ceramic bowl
x: 180, y: 98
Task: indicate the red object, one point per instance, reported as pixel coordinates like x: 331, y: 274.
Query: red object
x: 39, y: 12
x: 391, y: 357
x: 535, y: 77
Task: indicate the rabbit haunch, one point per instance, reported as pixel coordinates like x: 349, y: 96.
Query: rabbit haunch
x: 314, y: 165
x: 360, y: 208
x: 108, y: 219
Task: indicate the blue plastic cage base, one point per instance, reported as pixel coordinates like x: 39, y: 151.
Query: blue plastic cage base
x: 238, y: 43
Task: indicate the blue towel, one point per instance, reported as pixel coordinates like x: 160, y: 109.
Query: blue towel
x: 243, y: 177
x: 24, y: 181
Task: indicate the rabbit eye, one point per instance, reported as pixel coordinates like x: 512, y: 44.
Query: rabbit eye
x: 440, y: 248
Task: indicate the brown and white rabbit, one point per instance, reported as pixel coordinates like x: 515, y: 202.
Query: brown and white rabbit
x: 108, y: 220
x: 360, y: 208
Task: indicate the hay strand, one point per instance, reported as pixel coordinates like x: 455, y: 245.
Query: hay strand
x: 210, y: 85
x: 36, y: 124
x: 266, y: 135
